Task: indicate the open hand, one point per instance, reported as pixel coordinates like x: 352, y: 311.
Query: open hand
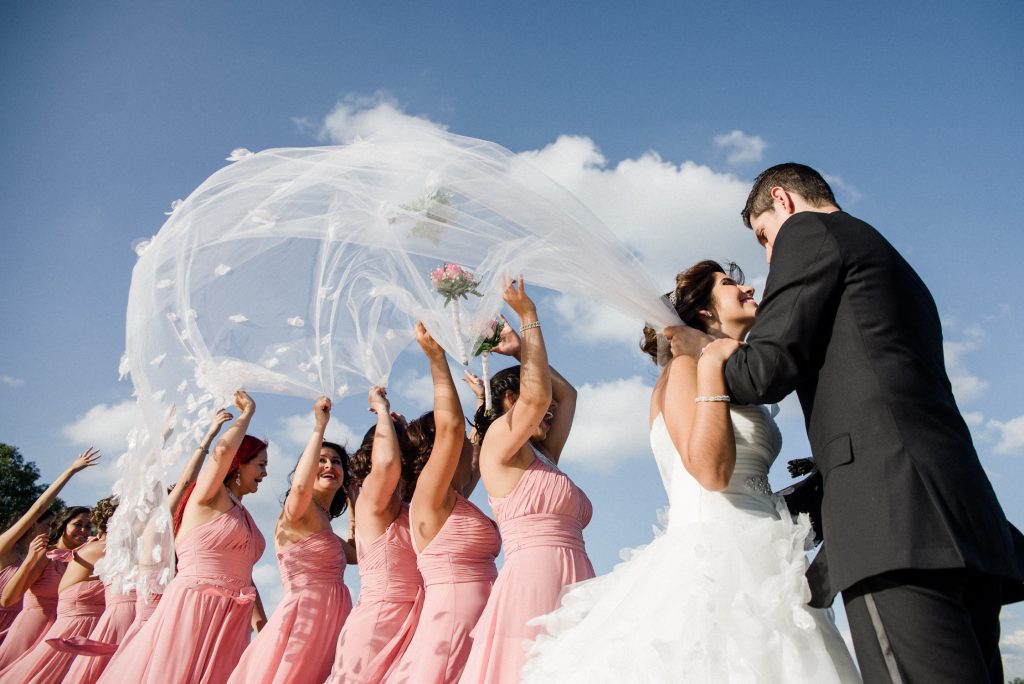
x: 87, y: 458
x: 509, y: 343
x: 687, y: 341
x: 219, y: 418
x: 475, y: 384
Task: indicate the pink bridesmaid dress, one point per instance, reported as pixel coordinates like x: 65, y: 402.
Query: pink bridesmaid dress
x: 78, y: 610
x: 458, y: 571
x: 96, y: 650
x: 38, y: 611
x: 541, y: 522
x: 390, y: 599
x: 201, y: 625
x: 296, y: 645
x: 8, y: 614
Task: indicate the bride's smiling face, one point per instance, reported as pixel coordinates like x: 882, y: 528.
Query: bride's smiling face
x: 734, y: 306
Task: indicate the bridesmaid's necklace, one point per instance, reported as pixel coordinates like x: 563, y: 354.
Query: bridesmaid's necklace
x: 322, y: 508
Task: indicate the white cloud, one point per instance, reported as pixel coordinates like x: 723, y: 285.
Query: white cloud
x: 845, y: 192
x: 1011, y: 435
x: 104, y: 426
x: 741, y: 148
x: 1013, y: 640
x: 297, y: 429
x: 362, y: 116
x: 611, y: 424
x: 415, y: 391
x: 11, y: 382
x: 967, y: 387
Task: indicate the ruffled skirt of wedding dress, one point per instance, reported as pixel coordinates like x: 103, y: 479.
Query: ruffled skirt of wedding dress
x: 705, y: 602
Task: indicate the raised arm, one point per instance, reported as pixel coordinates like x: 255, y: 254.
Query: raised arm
x: 12, y: 534
x: 209, y: 484
x: 27, y: 573
x: 702, y: 431
x: 433, y: 488
x: 377, y: 495
x: 191, y: 470
x: 507, y: 435
x: 799, y: 297
x: 301, y: 493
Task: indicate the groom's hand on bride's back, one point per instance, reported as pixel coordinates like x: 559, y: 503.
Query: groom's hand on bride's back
x: 687, y: 341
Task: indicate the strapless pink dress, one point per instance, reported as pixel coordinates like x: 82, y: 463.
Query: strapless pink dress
x: 296, y: 645
x: 202, y: 624
x: 8, y: 614
x: 384, y: 619
x: 78, y: 610
x: 458, y: 571
x: 96, y: 650
x: 541, y: 522
x: 38, y: 610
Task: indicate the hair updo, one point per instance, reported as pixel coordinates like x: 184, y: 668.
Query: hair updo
x: 692, y: 294
x: 416, y: 449
x: 101, y: 514
x: 507, y: 379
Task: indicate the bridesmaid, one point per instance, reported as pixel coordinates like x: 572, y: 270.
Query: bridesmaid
x: 201, y: 626
x: 295, y: 646
x: 38, y: 580
x: 79, y: 607
x: 539, y: 510
x: 456, y: 543
x: 391, y: 589
x: 95, y: 650
x: 36, y: 521
x: 145, y: 604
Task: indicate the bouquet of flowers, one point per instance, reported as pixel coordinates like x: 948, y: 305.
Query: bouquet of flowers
x: 489, y: 338
x: 454, y: 283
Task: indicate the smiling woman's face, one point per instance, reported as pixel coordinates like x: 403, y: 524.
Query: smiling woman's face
x: 330, y: 474
x: 252, y: 472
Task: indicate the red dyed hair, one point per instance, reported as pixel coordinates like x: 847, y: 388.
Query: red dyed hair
x: 247, y: 450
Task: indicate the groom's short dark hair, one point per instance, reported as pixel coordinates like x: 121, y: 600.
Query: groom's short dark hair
x: 798, y: 178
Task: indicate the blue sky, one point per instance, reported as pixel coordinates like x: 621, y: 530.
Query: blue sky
x: 112, y: 110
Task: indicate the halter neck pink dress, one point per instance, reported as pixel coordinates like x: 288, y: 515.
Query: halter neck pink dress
x: 541, y: 522
x: 96, y: 650
x: 202, y: 624
x: 38, y: 611
x: 78, y: 610
x: 8, y: 614
x: 458, y: 571
x: 296, y: 645
x: 390, y: 599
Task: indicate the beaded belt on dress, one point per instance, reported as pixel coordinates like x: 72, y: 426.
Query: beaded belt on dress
x: 541, y: 529
x: 758, y: 485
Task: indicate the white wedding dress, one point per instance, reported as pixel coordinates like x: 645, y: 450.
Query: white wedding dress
x: 718, y: 596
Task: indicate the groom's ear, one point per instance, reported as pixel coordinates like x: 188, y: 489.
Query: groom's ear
x: 783, y: 200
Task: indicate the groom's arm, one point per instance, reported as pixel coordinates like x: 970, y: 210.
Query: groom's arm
x: 800, y: 300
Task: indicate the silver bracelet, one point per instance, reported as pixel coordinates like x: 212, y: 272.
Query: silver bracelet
x: 529, y: 326
x: 714, y: 397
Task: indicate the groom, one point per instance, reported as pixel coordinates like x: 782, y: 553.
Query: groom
x: 914, y: 536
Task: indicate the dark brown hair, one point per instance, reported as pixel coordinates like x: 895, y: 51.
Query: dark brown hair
x: 503, y: 381
x: 61, y: 523
x: 361, y: 462
x: 340, y: 501
x: 797, y: 178
x: 416, y: 450
x: 693, y: 293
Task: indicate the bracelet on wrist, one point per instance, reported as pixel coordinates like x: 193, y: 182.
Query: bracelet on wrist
x: 528, y: 326
x: 713, y: 398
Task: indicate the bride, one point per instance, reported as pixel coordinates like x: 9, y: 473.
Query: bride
x: 720, y: 595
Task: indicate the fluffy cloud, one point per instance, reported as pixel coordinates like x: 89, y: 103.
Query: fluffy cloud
x: 611, y: 424
x: 741, y: 149
x: 11, y: 382
x: 296, y: 430
x: 104, y: 426
x: 361, y: 116
x: 967, y: 387
x: 1011, y: 435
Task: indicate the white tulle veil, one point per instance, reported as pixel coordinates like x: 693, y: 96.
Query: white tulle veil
x: 301, y: 271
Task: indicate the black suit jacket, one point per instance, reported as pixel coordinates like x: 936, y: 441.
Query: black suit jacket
x: 849, y: 325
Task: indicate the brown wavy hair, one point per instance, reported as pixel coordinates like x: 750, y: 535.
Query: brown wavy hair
x: 692, y: 294
x: 61, y: 523
x: 504, y: 380
x: 101, y: 513
x: 339, y: 504
x: 361, y: 461
x: 416, y: 450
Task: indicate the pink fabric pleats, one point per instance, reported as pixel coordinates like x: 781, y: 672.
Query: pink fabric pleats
x: 458, y: 570
x: 8, y: 614
x: 38, y: 613
x: 202, y: 624
x: 96, y: 650
x: 78, y: 609
x: 382, y: 624
x: 541, y: 524
x: 297, y: 643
